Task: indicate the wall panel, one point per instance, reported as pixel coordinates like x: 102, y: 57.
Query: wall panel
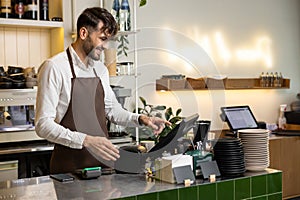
x: 23, y: 50
x: 10, y: 46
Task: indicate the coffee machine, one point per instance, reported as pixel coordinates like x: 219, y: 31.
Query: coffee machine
x: 17, y: 112
x: 117, y: 132
x: 121, y: 93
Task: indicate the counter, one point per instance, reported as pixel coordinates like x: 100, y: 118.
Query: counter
x: 265, y: 185
x: 32, y: 156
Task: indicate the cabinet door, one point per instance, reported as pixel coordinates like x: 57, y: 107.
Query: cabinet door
x: 284, y: 155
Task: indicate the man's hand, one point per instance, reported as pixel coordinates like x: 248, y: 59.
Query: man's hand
x: 157, y: 124
x: 101, y: 147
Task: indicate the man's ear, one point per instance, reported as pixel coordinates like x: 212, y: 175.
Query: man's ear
x: 83, y: 33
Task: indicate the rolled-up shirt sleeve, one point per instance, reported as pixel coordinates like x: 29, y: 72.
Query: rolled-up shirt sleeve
x: 48, y: 96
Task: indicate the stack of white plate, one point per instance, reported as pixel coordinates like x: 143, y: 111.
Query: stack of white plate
x: 256, y: 148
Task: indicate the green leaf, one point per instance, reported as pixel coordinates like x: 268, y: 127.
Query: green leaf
x: 165, y: 131
x: 176, y: 119
x: 143, y: 2
x: 178, y: 111
x: 159, y: 108
x: 140, y: 110
x: 126, y: 40
x: 168, y: 113
x: 143, y: 101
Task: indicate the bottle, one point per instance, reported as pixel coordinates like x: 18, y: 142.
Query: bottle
x: 44, y: 10
x: 271, y: 79
x: 31, y: 10
x: 282, y: 119
x: 280, y: 80
x: 262, y: 78
x: 19, y: 9
x: 125, y: 24
x: 267, y: 80
x: 115, y: 11
x: 6, y: 11
x: 276, y: 79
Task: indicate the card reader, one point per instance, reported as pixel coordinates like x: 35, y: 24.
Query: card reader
x: 89, y: 172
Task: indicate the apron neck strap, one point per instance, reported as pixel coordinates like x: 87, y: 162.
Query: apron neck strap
x: 71, y: 62
x: 72, y: 66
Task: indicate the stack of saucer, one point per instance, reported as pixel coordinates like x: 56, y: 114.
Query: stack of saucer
x: 228, y: 152
x: 256, y: 148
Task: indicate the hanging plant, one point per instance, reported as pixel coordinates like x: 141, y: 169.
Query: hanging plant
x: 123, y: 45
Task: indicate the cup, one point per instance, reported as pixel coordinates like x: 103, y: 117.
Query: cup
x: 110, y: 61
x: 200, y: 130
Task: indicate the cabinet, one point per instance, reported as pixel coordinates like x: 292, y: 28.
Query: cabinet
x: 284, y: 155
x: 27, y: 43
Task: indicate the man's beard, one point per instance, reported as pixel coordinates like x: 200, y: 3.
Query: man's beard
x: 91, y: 51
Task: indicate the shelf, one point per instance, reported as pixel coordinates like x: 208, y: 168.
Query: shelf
x: 124, y: 33
x: 29, y: 23
x: 214, y: 84
x: 23, y: 90
x: 124, y: 75
x: 40, y: 39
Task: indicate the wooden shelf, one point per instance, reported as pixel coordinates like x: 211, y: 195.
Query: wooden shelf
x: 214, y: 84
x: 29, y: 23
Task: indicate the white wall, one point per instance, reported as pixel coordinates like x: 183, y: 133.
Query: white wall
x: 204, y: 37
x: 174, y: 35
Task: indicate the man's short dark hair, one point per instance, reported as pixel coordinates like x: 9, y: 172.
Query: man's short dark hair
x: 91, y: 17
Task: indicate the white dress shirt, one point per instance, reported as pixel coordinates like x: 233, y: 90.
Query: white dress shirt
x: 53, y: 97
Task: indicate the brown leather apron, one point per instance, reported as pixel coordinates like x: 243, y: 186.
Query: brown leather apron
x: 85, y: 114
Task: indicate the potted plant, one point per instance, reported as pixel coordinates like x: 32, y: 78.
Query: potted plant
x: 150, y: 110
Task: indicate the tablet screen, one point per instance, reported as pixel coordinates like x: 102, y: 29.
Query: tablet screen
x: 239, y: 117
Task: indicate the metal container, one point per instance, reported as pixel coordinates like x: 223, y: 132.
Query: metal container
x: 125, y: 68
x: 8, y: 170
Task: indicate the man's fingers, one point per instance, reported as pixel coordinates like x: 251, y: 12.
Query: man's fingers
x: 111, y: 150
x: 102, y: 148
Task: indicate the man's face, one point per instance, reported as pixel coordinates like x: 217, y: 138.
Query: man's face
x: 95, y: 43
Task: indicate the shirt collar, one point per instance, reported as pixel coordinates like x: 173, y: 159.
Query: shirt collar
x: 79, y: 63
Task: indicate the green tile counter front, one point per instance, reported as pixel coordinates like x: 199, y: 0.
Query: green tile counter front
x: 255, y: 185
x: 259, y: 186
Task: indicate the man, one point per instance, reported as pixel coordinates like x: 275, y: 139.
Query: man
x: 74, y: 99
